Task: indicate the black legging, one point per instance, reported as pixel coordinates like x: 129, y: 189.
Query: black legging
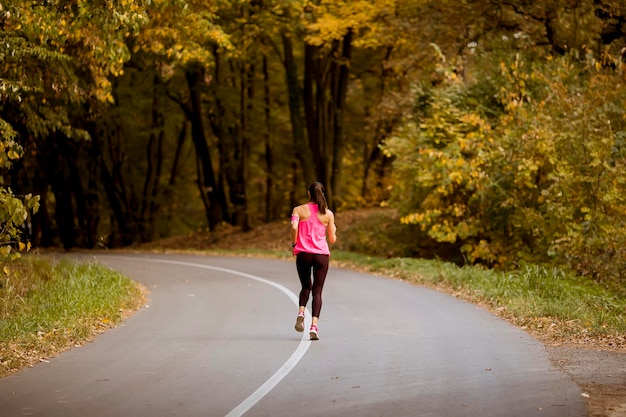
x: 319, y: 264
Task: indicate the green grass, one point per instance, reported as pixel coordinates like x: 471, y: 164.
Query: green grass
x: 47, y: 306
x: 532, y: 296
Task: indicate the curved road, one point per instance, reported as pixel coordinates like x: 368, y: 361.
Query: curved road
x: 216, y: 339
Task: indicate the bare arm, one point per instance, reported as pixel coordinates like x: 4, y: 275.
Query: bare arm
x: 331, y: 229
x: 295, y: 220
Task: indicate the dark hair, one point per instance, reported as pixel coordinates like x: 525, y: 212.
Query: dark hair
x: 316, y: 192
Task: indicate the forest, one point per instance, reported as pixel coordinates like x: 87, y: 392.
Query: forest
x: 496, y: 128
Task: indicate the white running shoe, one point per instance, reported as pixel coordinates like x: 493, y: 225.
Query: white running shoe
x: 300, y: 322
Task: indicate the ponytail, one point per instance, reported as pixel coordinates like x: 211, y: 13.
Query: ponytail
x: 316, y: 193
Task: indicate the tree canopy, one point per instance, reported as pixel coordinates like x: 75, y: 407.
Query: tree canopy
x: 496, y: 127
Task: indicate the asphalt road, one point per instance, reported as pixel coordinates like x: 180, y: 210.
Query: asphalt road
x: 216, y: 338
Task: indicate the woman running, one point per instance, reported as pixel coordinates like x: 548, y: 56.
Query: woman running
x: 311, y: 224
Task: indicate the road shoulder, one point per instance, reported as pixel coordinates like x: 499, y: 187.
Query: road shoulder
x: 601, y: 374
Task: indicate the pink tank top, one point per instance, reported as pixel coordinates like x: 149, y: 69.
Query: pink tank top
x: 312, y: 234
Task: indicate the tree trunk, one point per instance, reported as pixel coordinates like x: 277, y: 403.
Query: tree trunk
x: 311, y: 114
x: 54, y: 157
x: 85, y: 201
x: 325, y: 86
x: 375, y: 160
x: 238, y: 181
x: 301, y: 144
x: 154, y: 157
x: 212, y: 195
x: 267, y: 136
x: 231, y: 139
x: 114, y: 188
x: 340, y: 88
x: 177, y: 154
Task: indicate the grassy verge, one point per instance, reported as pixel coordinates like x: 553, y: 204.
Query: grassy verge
x: 48, y: 306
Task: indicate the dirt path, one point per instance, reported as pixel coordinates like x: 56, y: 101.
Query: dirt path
x: 600, y: 373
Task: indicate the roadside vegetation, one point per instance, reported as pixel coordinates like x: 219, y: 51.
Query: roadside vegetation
x: 48, y: 306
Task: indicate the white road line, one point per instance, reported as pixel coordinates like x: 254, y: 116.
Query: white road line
x: 293, y: 360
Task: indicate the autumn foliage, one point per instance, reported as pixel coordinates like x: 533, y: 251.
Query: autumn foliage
x: 524, y: 163
x: 497, y: 127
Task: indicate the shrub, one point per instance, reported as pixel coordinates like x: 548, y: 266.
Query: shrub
x: 538, y: 175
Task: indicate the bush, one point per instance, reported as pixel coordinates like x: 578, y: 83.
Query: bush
x: 538, y: 175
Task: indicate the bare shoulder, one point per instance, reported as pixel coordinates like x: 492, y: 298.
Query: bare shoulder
x: 301, y: 211
x: 327, y: 218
